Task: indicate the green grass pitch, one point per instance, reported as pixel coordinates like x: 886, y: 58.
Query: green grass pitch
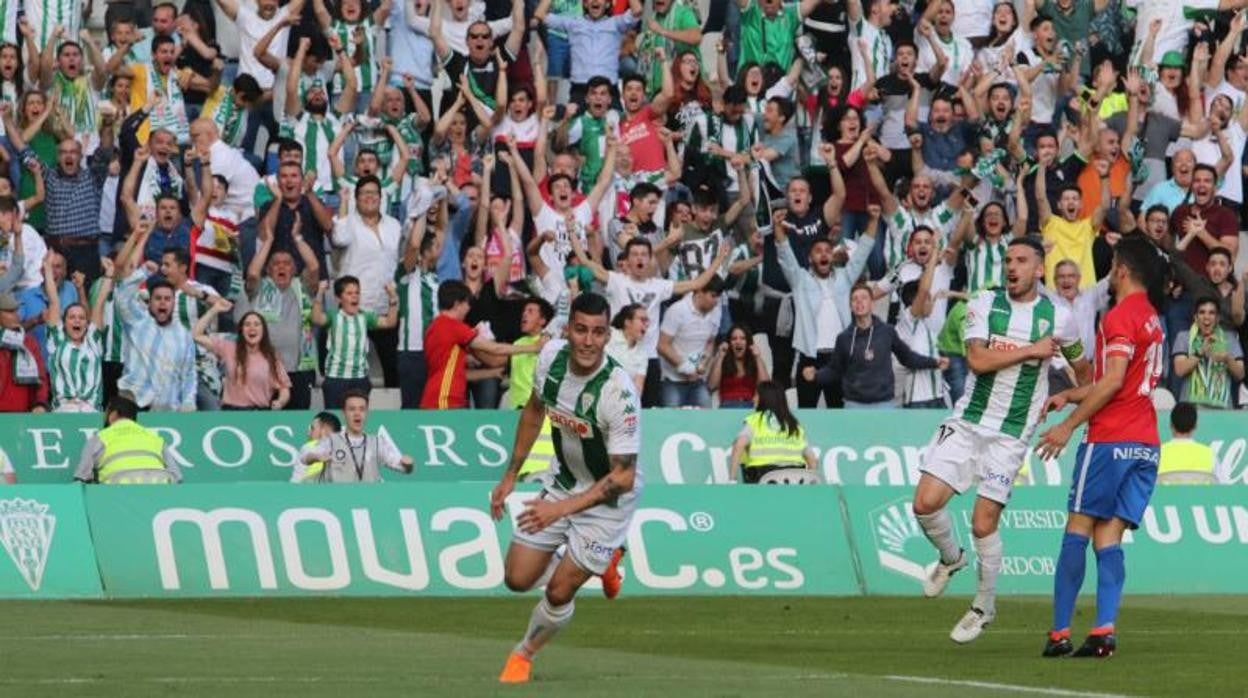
x: 344, y: 648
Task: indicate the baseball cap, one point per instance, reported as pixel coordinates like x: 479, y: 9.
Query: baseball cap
x: 1171, y: 59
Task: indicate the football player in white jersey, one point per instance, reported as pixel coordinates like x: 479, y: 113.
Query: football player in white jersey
x: 1012, y: 334
x: 594, y: 485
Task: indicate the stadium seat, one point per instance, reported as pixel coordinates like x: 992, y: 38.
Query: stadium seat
x: 791, y: 476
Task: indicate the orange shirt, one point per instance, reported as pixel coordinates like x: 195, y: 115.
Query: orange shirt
x: 1090, y: 184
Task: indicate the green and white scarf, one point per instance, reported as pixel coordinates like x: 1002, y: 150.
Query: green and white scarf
x: 77, y: 101
x: 1209, y: 385
x: 170, y: 114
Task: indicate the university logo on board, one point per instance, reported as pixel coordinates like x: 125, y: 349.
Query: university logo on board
x: 899, y: 542
x: 26, y: 530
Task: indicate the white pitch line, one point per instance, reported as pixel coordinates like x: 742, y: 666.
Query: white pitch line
x: 990, y: 685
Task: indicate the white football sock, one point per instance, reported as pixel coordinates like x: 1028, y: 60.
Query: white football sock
x: 550, y: 569
x: 939, y: 530
x: 988, y: 550
x: 543, y: 624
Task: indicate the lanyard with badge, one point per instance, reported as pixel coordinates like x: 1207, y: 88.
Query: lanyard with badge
x: 360, y: 462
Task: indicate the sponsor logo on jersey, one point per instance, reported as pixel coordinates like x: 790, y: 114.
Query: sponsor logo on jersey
x: 563, y: 420
x: 26, y: 530
x: 998, y: 342
x: 1144, y: 453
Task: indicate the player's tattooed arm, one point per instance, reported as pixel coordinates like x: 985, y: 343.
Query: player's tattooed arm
x: 620, y: 479
x: 981, y: 359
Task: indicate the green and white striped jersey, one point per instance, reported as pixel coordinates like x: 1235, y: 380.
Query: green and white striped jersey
x: 366, y: 71
x: 45, y: 16
x: 418, y: 302
x: 1010, y: 400
x: 113, y: 343
x: 985, y: 264
x: 76, y: 370
x: 187, y: 309
x: 592, y: 417
x: 904, y: 220
x: 348, y: 343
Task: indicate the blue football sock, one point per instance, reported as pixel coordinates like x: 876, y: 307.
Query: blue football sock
x: 1111, y: 575
x: 1071, y: 564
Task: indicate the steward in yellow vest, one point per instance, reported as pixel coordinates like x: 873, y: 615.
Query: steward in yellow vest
x: 124, y: 453
x: 1185, y: 461
x: 541, y: 456
x: 770, y: 438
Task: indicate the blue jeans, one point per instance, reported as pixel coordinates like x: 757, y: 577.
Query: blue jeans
x: 685, y: 394
x: 852, y: 226
x: 936, y: 404
x: 412, y: 376
x: 558, y: 57
x: 485, y: 394
x: 955, y: 377
x: 736, y: 404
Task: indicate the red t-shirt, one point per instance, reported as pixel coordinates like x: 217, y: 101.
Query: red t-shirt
x: 641, y: 134
x: 446, y: 345
x: 1129, y: 329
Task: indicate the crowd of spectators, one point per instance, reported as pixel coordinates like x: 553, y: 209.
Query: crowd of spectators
x: 408, y: 193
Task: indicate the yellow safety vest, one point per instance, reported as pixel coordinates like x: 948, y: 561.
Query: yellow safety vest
x: 132, y: 455
x: 771, y: 445
x: 313, y: 472
x: 542, y: 455
x: 1185, y: 462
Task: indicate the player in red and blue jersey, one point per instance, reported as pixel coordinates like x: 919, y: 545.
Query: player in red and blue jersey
x: 1116, y: 465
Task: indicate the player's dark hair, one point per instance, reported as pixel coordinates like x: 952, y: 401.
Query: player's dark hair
x: 1157, y: 208
x: 451, y: 292
x: 355, y: 392
x: 154, y: 286
x: 784, y: 106
x: 287, y: 145
x: 8, y: 204
x: 247, y: 86
x: 330, y: 420
x: 543, y: 306
x: 180, y: 256
x: 909, y: 291
x: 642, y: 190
x: 637, y: 242
x: 1029, y: 242
x: 714, y: 287
x: 1070, y: 186
x: 1202, y: 167
x: 631, y: 78
x: 735, y: 94
x: 365, y: 181
x: 626, y: 313
x: 1183, y: 418
x: 590, y: 304
x: 598, y: 81
x: 123, y: 407
x: 1220, y: 251
x: 1207, y: 300
x: 342, y: 282
x: 771, y: 400
x: 1149, y: 266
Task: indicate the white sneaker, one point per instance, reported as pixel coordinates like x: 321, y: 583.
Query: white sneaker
x: 971, y: 625
x: 936, y: 582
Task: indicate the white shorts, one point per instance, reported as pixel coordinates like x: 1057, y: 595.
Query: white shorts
x: 963, y: 455
x: 591, y: 535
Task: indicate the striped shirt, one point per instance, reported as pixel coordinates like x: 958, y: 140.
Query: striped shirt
x: 76, y: 369
x: 348, y: 343
x: 902, y: 224
x: 1010, y: 400
x: 112, y: 330
x: 418, y: 301
x: 160, y: 359
x: 985, y: 264
x: 44, y: 16
x: 593, y: 417
x: 366, y: 71
x: 187, y: 309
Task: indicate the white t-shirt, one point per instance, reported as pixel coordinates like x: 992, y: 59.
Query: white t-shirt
x: 1207, y: 152
x: 555, y: 254
x: 972, y: 18
x: 33, y: 252
x: 958, y: 51
x: 229, y: 164
x: 371, y: 256
x: 880, y: 47
x: 632, y: 359
x: 622, y: 290
x: 1043, y: 89
x: 829, y: 318
x: 251, y: 28
x: 455, y: 32
x: 690, y: 331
